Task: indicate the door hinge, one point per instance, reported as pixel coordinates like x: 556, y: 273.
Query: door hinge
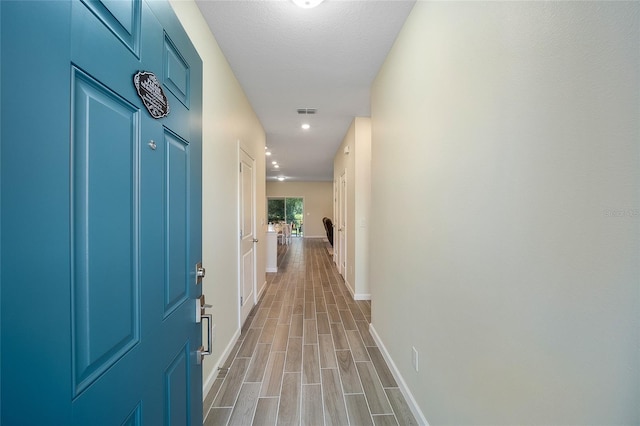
x: 241, y: 300
x: 240, y: 167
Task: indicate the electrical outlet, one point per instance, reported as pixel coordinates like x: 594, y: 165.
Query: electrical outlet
x: 414, y: 358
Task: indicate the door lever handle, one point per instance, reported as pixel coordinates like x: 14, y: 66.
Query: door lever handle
x: 201, y: 350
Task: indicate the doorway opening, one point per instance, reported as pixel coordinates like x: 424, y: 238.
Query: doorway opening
x: 288, y: 210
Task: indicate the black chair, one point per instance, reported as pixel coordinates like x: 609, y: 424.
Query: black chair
x: 328, y: 227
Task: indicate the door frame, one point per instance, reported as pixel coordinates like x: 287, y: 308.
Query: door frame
x: 239, y: 151
x: 342, y: 229
x: 335, y: 221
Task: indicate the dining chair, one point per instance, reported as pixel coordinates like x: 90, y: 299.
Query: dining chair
x: 286, y: 233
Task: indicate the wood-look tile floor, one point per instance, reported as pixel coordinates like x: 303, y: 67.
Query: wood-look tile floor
x: 305, y: 355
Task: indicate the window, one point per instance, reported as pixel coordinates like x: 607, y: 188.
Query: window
x: 290, y: 210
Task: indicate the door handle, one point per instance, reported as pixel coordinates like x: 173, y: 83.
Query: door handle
x: 255, y: 240
x: 201, y: 353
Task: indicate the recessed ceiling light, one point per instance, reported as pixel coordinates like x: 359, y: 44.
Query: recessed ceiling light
x: 306, y: 126
x: 277, y: 166
x: 307, y: 4
x: 268, y: 153
x: 280, y: 178
x: 274, y: 162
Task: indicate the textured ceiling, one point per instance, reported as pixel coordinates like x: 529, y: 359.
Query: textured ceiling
x: 286, y: 58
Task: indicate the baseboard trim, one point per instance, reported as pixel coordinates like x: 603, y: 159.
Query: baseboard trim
x: 262, y: 290
x: 417, y: 413
x: 356, y: 296
x: 348, y: 285
x: 314, y: 236
x: 362, y: 296
x: 272, y: 269
x: 208, y: 383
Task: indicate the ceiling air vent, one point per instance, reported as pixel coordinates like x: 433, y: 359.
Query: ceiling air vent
x: 305, y: 111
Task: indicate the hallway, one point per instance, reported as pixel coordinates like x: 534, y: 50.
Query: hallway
x: 305, y: 355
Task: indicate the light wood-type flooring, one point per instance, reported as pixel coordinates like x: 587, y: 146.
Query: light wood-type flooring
x: 305, y: 355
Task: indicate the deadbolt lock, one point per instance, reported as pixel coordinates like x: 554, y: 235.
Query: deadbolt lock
x: 200, y: 272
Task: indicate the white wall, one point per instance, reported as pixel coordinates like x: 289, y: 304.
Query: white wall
x: 506, y: 145
x: 227, y: 119
x: 357, y: 166
x: 318, y: 202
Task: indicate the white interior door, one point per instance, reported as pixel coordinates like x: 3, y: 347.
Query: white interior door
x: 335, y: 222
x: 342, y: 225
x: 248, y: 237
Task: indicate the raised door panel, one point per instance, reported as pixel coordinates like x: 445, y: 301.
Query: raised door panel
x: 176, y: 175
x: 177, y: 389
x: 122, y: 18
x: 134, y: 418
x: 105, y: 250
x: 177, y: 72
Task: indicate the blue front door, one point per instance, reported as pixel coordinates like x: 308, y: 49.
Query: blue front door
x: 101, y: 216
